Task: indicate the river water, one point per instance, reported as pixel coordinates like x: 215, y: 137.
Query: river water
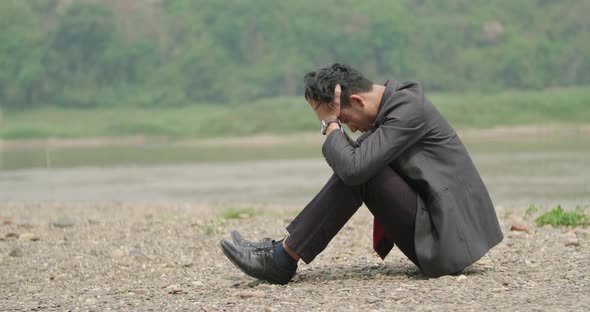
x: 517, y: 173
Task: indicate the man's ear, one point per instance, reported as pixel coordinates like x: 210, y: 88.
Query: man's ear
x: 356, y: 99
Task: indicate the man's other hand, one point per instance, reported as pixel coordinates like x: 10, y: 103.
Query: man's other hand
x: 329, y: 110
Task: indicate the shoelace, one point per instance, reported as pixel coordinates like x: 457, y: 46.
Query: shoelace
x: 261, y: 250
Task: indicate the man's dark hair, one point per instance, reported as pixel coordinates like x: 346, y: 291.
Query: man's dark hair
x: 319, y: 86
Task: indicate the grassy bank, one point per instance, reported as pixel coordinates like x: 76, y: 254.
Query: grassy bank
x: 286, y: 115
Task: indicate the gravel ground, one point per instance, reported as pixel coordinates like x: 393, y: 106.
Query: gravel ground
x: 116, y: 256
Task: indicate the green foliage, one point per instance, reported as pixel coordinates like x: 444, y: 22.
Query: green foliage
x: 240, y: 213
x: 557, y: 216
x: 211, y: 227
x: 530, y: 211
x: 286, y: 115
x: 99, y: 53
x: 215, y: 225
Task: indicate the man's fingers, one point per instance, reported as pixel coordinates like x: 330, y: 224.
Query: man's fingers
x: 337, y: 92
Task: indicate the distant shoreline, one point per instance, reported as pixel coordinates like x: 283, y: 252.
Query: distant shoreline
x: 495, y: 133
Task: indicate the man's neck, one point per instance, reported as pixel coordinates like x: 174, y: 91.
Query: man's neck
x: 375, y: 97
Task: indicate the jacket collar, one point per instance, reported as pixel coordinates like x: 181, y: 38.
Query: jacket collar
x: 390, y: 87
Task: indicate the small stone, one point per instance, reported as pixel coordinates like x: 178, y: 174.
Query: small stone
x: 255, y: 283
x: 16, y: 253
x: 7, y: 222
x: 11, y: 235
x: 63, y: 223
x: 484, y: 262
x: 461, y: 277
x: 197, y: 283
x: 29, y: 236
x: 251, y: 294
x: 585, y: 234
x: 519, y: 227
x: 572, y: 243
x: 572, y: 274
x: 117, y: 254
x: 174, y: 290
x: 60, y: 277
x: 90, y: 301
x: 237, y: 284
x: 347, y: 283
x: 136, y: 252
x: 25, y: 224
x: 372, y: 299
x: 527, y: 262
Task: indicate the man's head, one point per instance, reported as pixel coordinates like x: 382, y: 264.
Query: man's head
x: 359, y: 100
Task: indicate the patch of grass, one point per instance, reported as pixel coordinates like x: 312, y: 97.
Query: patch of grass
x: 216, y: 225
x: 530, y: 211
x: 212, y: 227
x: 558, y: 216
x: 240, y: 213
x: 463, y: 110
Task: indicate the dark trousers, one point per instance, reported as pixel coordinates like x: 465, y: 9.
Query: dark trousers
x: 389, y: 198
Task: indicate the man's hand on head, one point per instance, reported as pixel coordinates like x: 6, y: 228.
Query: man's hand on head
x: 329, y: 110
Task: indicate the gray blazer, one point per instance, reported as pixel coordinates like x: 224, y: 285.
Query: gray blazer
x: 456, y: 223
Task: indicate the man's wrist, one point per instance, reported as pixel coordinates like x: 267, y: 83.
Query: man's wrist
x: 331, y: 127
x: 325, y: 123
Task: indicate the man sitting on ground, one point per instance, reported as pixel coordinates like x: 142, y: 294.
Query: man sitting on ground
x: 409, y: 168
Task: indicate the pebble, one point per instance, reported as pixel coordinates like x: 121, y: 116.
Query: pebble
x: 251, y: 294
x: 117, y: 254
x: 244, y: 216
x: 174, y: 290
x: 572, y: 243
x: 197, y: 283
x: 572, y: 274
x: 255, y: 283
x: 11, y: 235
x: 519, y: 227
x: 90, y: 301
x: 7, y: 222
x: 16, y: 253
x: 25, y: 224
x: 485, y: 263
x: 582, y: 233
x: 372, y: 299
x: 136, y: 252
x: 29, y: 236
x: 63, y: 223
x: 61, y: 277
x: 461, y: 277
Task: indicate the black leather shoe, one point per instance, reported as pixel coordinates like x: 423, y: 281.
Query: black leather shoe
x: 257, y: 262
x: 265, y: 242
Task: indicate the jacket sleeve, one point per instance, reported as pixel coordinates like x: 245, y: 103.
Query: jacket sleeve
x: 402, y: 127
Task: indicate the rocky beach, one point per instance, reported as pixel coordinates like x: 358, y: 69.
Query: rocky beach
x: 140, y: 256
